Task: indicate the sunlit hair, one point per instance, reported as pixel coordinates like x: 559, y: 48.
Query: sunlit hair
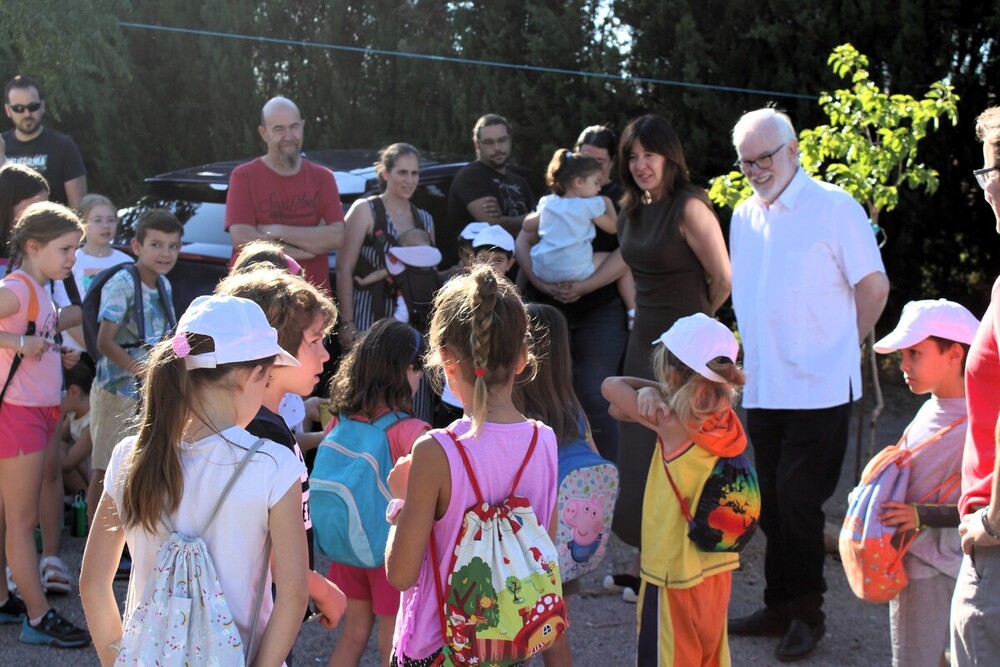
x: 262, y: 252
x: 91, y: 201
x: 290, y: 303
x: 171, y: 395
x: 692, y: 397
x: 24, y: 83
x: 17, y: 183
x: 159, y: 219
x: 598, y: 136
x: 481, y: 323
x: 42, y: 222
x: 988, y: 131
x: 656, y: 135
x: 387, y: 158
x: 779, y: 120
x: 549, y: 395
x: 373, y: 374
x: 567, y: 165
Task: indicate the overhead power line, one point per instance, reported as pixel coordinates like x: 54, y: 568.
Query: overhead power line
x: 464, y: 61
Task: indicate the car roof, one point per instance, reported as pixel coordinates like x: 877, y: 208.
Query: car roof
x: 353, y: 168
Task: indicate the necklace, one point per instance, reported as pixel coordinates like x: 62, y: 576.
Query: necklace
x: 97, y: 254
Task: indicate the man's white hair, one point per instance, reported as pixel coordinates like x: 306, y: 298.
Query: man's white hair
x: 755, y: 119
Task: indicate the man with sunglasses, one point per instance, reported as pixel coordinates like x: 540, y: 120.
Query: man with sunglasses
x: 30, y: 143
x: 808, y: 286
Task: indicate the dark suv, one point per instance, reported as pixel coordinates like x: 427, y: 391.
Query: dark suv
x: 197, y: 196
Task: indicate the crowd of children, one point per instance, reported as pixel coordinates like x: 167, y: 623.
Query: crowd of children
x: 189, y: 440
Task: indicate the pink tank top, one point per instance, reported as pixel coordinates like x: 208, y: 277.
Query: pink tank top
x: 37, y: 382
x: 495, y: 454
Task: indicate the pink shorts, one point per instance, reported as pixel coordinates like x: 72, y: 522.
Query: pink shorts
x: 360, y: 583
x: 26, y: 429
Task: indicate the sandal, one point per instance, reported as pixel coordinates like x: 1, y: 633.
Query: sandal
x: 55, y: 575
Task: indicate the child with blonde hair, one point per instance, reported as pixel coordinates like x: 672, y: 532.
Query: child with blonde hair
x: 684, y: 593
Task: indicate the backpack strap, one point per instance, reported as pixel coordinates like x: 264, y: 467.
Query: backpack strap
x: 30, y: 331
x: 438, y: 586
x: 168, y: 306
x: 684, y: 502
x: 232, y: 480
x: 907, y: 454
x: 388, y: 420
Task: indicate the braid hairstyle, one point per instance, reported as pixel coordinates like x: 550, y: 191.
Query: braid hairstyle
x: 692, y: 397
x: 480, y: 320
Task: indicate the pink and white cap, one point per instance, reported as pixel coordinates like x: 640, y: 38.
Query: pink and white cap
x: 930, y: 317
x: 237, y: 326
x: 698, y: 339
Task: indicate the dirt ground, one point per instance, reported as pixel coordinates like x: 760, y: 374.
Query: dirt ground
x: 602, y: 631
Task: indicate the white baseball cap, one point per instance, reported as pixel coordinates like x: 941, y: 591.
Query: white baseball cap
x: 237, y: 326
x: 931, y: 317
x: 469, y: 232
x: 698, y: 339
x: 419, y: 256
x: 494, y: 236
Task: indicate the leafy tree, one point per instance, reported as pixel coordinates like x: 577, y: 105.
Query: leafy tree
x: 869, y: 146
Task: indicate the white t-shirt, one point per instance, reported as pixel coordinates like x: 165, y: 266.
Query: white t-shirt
x: 236, y: 538
x: 565, y: 231
x: 795, y: 265
x: 84, y: 271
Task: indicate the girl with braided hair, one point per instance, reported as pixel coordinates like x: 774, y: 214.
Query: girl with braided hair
x: 479, y: 337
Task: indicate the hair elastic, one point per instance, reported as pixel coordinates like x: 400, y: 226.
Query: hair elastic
x: 182, y: 347
x: 293, y: 267
x: 480, y: 372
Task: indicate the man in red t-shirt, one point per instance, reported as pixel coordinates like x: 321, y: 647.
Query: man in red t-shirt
x: 283, y: 197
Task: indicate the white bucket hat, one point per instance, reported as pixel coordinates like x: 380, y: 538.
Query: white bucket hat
x: 237, y: 326
x: 698, y: 339
x: 931, y: 317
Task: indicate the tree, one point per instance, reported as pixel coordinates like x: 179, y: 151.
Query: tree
x: 869, y: 146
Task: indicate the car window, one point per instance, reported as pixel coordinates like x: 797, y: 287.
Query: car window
x: 203, y: 221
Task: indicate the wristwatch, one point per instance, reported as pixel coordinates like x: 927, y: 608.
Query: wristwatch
x: 986, y: 523
x: 393, y: 510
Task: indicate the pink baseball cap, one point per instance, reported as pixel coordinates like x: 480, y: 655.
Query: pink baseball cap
x: 931, y: 317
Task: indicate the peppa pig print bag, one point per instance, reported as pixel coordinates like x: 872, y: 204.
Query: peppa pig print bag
x: 182, y: 618
x: 588, y: 489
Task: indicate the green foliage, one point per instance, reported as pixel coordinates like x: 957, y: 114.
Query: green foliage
x: 470, y: 584
x: 869, y: 146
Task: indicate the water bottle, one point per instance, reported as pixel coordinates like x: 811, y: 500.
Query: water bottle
x: 79, y: 527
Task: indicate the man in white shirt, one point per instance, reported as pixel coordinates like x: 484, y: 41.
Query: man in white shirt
x: 808, y: 286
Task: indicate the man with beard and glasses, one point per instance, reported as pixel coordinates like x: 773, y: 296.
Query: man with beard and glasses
x: 808, y: 286
x: 283, y: 197
x: 487, y: 189
x: 52, y: 154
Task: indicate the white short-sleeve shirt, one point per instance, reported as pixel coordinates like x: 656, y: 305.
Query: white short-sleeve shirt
x: 795, y: 265
x: 236, y: 537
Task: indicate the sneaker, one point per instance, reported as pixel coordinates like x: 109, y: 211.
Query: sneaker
x: 54, y: 630
x: 626, y: 583
x: 13, y: 610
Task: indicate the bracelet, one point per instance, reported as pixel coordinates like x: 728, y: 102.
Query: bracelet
x: 394, y: 508
x: 986, y: 523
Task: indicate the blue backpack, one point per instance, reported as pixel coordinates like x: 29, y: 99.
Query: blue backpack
x: 588, y: 489
x: 349, y: 493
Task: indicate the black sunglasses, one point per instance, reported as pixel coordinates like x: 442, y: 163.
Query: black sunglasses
x: 21, y: 108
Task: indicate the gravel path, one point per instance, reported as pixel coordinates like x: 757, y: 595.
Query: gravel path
x: 602, y: 631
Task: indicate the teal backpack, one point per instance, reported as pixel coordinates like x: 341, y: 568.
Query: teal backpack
x: 349, y: 493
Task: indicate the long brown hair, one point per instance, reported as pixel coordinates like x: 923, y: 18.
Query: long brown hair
x: 482, y: 322
x: 656, y: 135
x: 549, y: 395
x: 154, y: 480
x: 373, y: 374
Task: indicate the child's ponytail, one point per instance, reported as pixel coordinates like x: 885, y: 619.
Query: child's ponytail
x: 567, y: 165
x: 154, y: 481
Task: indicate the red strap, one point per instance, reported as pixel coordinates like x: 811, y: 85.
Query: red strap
x: 685, y: 508
x: 438, y: 587
x: 904, y: 459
